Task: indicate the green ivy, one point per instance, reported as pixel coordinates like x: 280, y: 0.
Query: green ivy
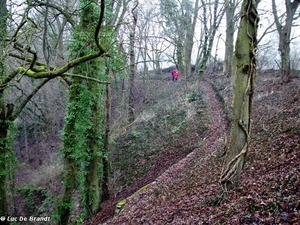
x: 83, y: 131
x: 37, y: 199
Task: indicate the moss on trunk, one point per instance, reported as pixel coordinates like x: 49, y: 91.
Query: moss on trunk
x: 244, y: 85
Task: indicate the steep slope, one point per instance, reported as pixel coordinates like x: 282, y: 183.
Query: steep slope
x: 171, y: 196
x: 270, y: 185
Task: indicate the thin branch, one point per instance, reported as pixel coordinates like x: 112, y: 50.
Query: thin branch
x: 45, y: 42
x: 267, y: 32
x: 27, y: 99
x: 85, y: 77
x: 68, y: 16
x: 98, y: 27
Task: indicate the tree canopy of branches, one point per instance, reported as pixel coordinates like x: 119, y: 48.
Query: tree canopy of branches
x: 31, y: 62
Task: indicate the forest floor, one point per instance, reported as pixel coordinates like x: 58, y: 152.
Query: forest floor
x: 181, y: 182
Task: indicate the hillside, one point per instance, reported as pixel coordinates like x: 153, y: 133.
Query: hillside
x: 175, y: 182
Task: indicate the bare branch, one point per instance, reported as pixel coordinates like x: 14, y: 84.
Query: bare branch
x: 267, y: 31
x: 98, y: 27
x: 27, y: 99
x: 59, y: 9
x: 85, y: 77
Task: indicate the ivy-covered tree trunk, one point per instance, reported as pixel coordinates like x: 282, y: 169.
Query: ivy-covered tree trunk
x: 246, y: 70
x: 94, y: 174
x: 69, y: 176
x: 83, y: 132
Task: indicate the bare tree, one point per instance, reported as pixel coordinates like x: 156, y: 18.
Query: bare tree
x: 284, y: 30
x: 212, y: 14
x: 179, y: 27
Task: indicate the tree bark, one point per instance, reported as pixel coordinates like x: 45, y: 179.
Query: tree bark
x: 95, y: 141
x: 83, y: 131
x: 70, y: 166
x: 229, y: 46
x: 131, y: 113
x: 246, y: 70
x: 104, y: 186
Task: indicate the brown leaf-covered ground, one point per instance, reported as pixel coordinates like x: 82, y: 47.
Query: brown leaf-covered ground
x: 269, y: 191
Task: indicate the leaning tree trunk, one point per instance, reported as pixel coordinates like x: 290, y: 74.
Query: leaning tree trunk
x: 246, y: 70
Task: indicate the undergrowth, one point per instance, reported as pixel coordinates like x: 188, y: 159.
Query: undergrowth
x: 168, y: 125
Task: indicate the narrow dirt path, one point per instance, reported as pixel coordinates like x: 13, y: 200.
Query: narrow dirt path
x: 213, y: 140
x: 218, y: 125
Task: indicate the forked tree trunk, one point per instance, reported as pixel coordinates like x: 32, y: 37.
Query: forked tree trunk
x: 284, y: 32
x: 246, y: 70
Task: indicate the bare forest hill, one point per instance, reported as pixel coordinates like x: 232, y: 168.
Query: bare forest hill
x: 176, y: 146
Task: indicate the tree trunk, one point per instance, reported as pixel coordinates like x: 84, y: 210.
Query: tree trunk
x: 3, y: 124
x: 83, y: 131
x: 229, y: 47
x: 179, y: 55
x: 131, y: 113
x: 284, y: 32
x: 104, y: 185
x: 70, y: 166
x: 95, y: 143
x: 69, y: 177
x: 209, y: 37
x: 246, y: 70
x: 284, y: 48
x: 189, y: 40
x: 3, y: 172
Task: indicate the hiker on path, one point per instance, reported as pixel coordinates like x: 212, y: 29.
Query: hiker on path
x: 175, y: 75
